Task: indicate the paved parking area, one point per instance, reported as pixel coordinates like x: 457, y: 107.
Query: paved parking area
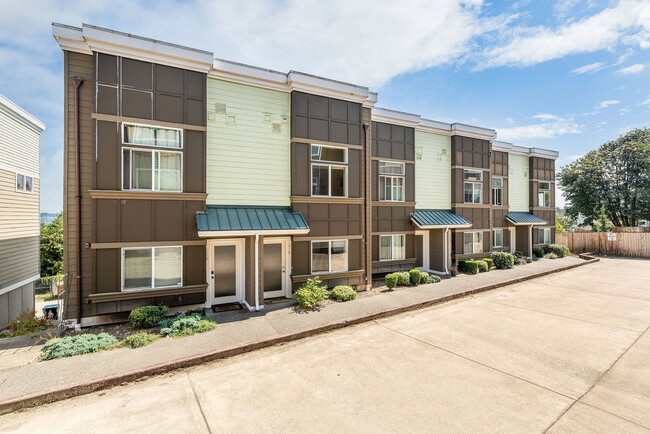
x: 564, y: 353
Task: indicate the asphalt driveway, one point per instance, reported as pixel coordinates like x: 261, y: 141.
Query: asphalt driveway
x: 564, y: 353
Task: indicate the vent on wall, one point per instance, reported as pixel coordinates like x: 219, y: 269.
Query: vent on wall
x: 220, y: 107
x: 277, y: 128
x: 231, y: 119
x: 268, y: 118
x: 418, y: 152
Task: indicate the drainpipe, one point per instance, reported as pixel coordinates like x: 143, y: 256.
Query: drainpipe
x: 76, y: 80
x: 257, y: 272
x: 446, y: 250
x: 530, y: 241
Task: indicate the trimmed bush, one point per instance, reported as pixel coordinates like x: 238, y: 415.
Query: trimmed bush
x: 482, y: 266
x: 489, y: 262
x: 343, y: 293
x: 518, y: 253
x: 391, y: 280
x: 186, y: 325
x: 424, y: 278
x: 434, y: 279
x: 559, y: 249
x: 414, y: 276
x: 311, y: 294
x: 471, y: 267
x: 74, y: 345
x: 529, y: 260
x: 550, y: 256
x: 146, y: 317
x: 403, y: 278
x: 139, y: 340
x: 538, y: 252
x: 502, y: 260
x: 520, y: 261
x: 461, y: 266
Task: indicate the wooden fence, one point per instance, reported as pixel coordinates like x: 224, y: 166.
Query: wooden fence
x: 635, y: 244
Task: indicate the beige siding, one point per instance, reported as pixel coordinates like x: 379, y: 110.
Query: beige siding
x: 247, y: 163
x: 518, y: 184
x: 19, y: 146
x: 20, y: 259
x: 19, y: 212
x: 433, y: 171
x: 14, y: 302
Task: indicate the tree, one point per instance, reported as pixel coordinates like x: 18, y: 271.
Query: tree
x: 613, y: 180
x: 52, y: 247
x: 564, y: 222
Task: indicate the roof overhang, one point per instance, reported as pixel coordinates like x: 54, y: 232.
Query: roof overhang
x: 221, y: 234
x: 521, y: 150
x: 440, y: 226
x: 526, y: 223
x: 15, y: 112
x: 438, y: 219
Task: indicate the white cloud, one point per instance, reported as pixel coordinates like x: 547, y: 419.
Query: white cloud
x: 573, y: 158
x: 589, y: 69
x: 634, y: 69
x: 594, y: 113
x: 607, y: 103
x: 646, y: 102
x: 543, y: 130
x: 624, y: 110
x: 546, y: 117
x: 510, y: 120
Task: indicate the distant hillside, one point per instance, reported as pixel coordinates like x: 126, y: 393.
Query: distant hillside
x: 48, y: 217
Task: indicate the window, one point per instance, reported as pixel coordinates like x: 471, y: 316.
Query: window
x: 329, y: 179
x: 392, y: 247
x: 152, y: 267
x: 329, y: 256
x: 24, y: 183
x: 473, y: 186
x: 151, y: 170
x: 473, y: 242
x: 544, y: 236
x: 152, y: 136
x: 497, y: 191
x: 391, y: 181
x: 498, y: 238
x: 544, y: 194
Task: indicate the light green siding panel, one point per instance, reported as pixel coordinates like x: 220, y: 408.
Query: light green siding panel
x: 247, y: 163
x: 432, y: 171
x: 518, y: 183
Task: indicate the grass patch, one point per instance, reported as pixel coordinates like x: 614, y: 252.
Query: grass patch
x: 47, y: 296
x: 140, y: 339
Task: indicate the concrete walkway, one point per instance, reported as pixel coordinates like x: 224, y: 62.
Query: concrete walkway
x: 563, y: 353
x: 236, y: 329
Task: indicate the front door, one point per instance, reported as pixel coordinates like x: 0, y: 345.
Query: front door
x: 274, y: 266
x: 226, y: 271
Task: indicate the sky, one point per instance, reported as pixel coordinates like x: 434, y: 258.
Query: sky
x: 567, y: 75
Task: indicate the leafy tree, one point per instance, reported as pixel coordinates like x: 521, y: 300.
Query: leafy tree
x: 564, y: 222
x: 559, y: 227
x: 613, y: 180
x: 52, y: 247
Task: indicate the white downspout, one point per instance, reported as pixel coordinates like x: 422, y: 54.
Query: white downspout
x: 530, y: 241
x: 445, y: 250
x: 257, y: 272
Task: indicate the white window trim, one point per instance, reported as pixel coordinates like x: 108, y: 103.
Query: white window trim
x: 329, y: 161
x: 494, y: 237
x: 545, y: 232
x: 497, y: 188
x: 329, y: 179
x: 474, y: 235
x: 124, y: 142
x: 392, y: 247
x: 152, y: 150
x: 544, y: 191
x: 329, y: 257
x: 24, y: 189
x: 153, y: 268
x: 392, y: 185
x: 474, y: 183
x: 480, y: 172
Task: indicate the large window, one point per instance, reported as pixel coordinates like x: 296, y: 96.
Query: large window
x: 152, y: 136
x: 329, y: 256
x: 473, y: 242
x: 544, y: 236
x: 498, y: 238
x: 24, y: 183
x: 544, y: 194
x: 392, y: 247
x: 473, y: 186
x: 329, y: 180
x: 152, y: 267
x: 391, y: 181
x: 145, y: 169
x: 497, y: 191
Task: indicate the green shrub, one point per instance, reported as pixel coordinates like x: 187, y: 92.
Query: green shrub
x: 27, y: 323
x: 146, y: 317
x: 502, y: 260
x: 482, y: 266
x: 391, y: 280
x: 529, y: 260
x: 471, y: 267
x: 414, y: 276
x: 424, y: 278
x: 461, y: 266
x: 186, y: 325
x: 538, y: 252
x: 403, y: 278
x: 559, y: 249
x: 73, y: 345
x: 311, y: 294
x: 489, y: 262
x: 434, y: 279
x: 343, y: 293
x: 550, y: 256
x: 139, y: 340
x: 520, y: 261
x: 519, y: 253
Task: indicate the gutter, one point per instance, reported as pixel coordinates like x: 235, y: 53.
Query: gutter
x: 76, y: 80
x: 445, y: 250
x: 257, y: 272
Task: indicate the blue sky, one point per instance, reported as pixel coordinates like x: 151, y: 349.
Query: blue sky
x: 566, y: 75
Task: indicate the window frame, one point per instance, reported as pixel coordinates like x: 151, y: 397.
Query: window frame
x: 543, y: 193
x: 328, y: 164
x: 474, y: 241
x: 393, y: 177
x: 153, y: 151
x: 345, y: 153
x: 153, y: 268
x: 135, y: 124
x: 494, y: 232
x: 392, y: 247
x: 24, y: 183
x: 329, y: 257
x: 544, y: 231
x: 474, y: 184
x: 494, y: 189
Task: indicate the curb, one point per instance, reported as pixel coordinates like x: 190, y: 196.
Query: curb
x: 90, y: 386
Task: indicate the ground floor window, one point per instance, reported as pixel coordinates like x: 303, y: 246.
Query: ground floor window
x: 498, y: 238
x: 152, y: 267
x: 329, y: 256
x: 392, y: 247
x: 473, y: 242
x: 544, y: 236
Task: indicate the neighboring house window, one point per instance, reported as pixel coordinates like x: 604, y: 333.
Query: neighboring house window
x: 329, y: 256
x: 329, y: 180
x: 151, y: 267
x: 473, y: 242
x: 497, y: 191
x: 24, y: 183
x: 544, y: 236
x: 391, y: 181
x: 392, y: 247
x: 473, y: 186
x: 498, y: 238
x: 544, y: 194
x: 151, y: 170
x: 152, y: 136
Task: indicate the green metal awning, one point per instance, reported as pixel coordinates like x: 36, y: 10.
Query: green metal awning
x: 438, y: 218
x: 524, y: 218
x: 221, y: 220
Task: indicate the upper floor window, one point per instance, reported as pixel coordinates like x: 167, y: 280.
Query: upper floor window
x: 473, y: 242
x: 497, y: 191
x: 329, y: 174
x: 392, y: 247
x: 473, y: 186
x: 147, y: 169
x: 24, y: 183
x: 391, y: 181
x: 544, y: 194
x: 152, y: 136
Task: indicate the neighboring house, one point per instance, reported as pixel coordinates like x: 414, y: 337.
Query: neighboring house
x: 207, y: 182
x: 19, y: 209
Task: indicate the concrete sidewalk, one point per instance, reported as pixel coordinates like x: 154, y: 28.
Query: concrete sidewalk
x: 40, y: 382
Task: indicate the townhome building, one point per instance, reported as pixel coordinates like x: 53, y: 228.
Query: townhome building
x: 19, y: 209
x: 196, y: 181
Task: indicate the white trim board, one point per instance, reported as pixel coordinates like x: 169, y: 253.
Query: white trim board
x: 12, y: 110
x: 18, y: 284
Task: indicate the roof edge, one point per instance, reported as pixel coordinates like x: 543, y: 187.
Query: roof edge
x: 21, y: 115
